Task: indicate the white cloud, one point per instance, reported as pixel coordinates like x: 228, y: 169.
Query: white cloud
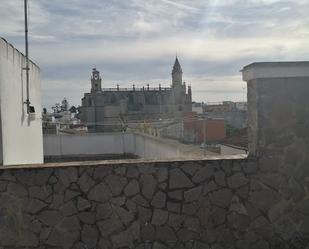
x: 180, y: 5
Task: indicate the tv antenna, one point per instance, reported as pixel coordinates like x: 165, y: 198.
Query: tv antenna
x: 30, y: 109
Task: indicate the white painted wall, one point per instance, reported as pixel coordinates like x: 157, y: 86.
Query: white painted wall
x: 148, y: 147
x: 88, y: 144
x: 144, y: 146
x: 22, y: 139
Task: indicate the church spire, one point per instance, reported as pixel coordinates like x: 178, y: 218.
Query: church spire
x: 177, y: 67
x: 177, y: 73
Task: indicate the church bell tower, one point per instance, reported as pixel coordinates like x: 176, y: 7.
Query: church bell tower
x: 96, y: 81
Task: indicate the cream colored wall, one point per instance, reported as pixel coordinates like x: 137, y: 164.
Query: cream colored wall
x: 22, y: 140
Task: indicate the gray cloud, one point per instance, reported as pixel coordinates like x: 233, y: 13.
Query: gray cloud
x: 136, y: 41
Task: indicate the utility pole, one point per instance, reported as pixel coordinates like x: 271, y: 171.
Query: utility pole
x: 27, y: 102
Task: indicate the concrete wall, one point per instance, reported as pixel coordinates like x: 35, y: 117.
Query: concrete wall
x: 149, y: 147
x: 88, y: 144
x: 141, y: 145
x: 18, y: 128
x: 175, y: 131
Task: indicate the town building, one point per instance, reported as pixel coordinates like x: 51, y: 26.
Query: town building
x: 103, y: 109
x: 234, y: 113
x: 198, y: 107
x: 194, y: 129
x: 198, y: 130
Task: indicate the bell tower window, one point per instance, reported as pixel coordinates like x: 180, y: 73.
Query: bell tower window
x: 95, y: 81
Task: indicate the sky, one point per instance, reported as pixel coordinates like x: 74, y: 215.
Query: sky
x: 135, y: 42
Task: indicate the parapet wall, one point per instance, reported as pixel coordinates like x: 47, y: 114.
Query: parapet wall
x: 175, y: 204
x: 18, y: 128
x: 193, y: 204
x: 90, y: 145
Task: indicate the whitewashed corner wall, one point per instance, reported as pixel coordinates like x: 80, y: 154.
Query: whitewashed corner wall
x: 22, y: 140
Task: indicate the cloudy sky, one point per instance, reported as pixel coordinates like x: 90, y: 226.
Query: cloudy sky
x: 135, y: 41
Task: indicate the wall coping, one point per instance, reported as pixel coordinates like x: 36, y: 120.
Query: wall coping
x: 3, y: 40
x: 262, y: 70
x: 123, y: 162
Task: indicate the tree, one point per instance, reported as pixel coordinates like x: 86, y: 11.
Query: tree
x: 73, y: 109
x: 64, y: 105
x: 56, y: 108
x: 78, y: 112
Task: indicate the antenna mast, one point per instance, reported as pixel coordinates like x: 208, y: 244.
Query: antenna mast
x: 27, y: 102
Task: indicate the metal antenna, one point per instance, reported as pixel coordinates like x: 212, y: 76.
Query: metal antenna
x: 27, y: 102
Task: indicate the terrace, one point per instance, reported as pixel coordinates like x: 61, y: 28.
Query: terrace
x: 259, y: 201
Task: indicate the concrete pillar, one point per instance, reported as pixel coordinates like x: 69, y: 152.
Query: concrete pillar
x: 278, y: 109
x: 278, y: 129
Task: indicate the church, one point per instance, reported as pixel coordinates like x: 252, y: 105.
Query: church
x: 105, y: 108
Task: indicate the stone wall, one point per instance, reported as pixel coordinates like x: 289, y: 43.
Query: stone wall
x: 193, y: 204
x: 278, y: 136
x: 168, y: 204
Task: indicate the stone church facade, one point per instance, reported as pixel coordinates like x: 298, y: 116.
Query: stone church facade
x: 104, y: 108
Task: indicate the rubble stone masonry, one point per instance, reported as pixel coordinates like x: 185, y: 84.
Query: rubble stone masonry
x: 193, y: 204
